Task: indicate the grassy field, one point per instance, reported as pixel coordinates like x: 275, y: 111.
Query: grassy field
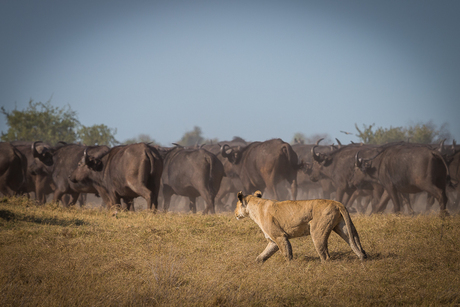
x: 54, y: 256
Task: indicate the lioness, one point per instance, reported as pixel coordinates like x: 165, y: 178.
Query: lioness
x: 282, y: 220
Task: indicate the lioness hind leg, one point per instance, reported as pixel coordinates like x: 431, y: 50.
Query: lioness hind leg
x: 268, y: 252
x: 320, y: 242
x: 351, y: 239
x: 285, y: 247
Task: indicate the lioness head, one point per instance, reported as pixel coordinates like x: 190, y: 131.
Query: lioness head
x: 241, y: 210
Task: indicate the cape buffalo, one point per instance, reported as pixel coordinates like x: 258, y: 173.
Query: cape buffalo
x: 230, y: 183
x: 39, y: 158
x: 66, y: 158
x: 304, y: 183
x: 13, y: 168
x: 126, y: 171
x: 405, y: 168
x: 262, y: 165
x: 191, y: 173
x: 337, y: 165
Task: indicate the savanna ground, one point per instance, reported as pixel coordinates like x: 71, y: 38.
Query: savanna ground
x: 55, y: 256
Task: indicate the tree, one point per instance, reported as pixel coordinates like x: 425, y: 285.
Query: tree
x: 97, y: 135
x: 192, y: 138
x: 141, y: 138
x: 210, y: 141
x: 44, y: 122
x: 419, y: 133
x: 301, y: 138
x: 41, y: 121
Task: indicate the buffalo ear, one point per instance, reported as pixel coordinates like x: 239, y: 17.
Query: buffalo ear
x: 95, y: 164
x: 240, y: 196
x: 367, y: 164
x: 258, y: 194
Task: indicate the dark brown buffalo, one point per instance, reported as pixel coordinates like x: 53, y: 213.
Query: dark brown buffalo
x: 124, y: 172
x: 453, y: 160
x: 262, y: 165
x: 231, y: 183
x: 304, y: 183
x: 51, y: 167
x: 13, y: 170
x: 191, y: 173
x: 39, y: 158
x: 337, y: 166
x: 66, y: 159
x: 405, y: 168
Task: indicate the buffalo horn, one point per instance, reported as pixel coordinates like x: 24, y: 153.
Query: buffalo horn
x: 85, y: 155
x: 34, y: 150
x: 441, y: 146
x: 358, y: 160
x: 223, y: 150
x: 315, y: 156
x: 338, y: 142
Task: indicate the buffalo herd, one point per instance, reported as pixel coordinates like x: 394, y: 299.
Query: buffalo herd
x: 365, y: 178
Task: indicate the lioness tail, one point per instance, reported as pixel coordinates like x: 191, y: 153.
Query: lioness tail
x: 354, y: 242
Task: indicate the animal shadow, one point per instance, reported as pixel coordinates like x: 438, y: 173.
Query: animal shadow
x: 8, y: 215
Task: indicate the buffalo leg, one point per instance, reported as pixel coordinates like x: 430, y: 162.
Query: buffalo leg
x: 340, y: 195
x: 192, y: 204
x: 116, y: 201
x: 57, y: 196
x: 210, y: 206
x: 352, y: 199
x: 406, y: 199
x: 429, y: 202
x: 273, y: 192
x: 377, y: 194
x: 395, y: 199
x: 74, y: 198
x: 294, y: 189
x: 382, y: 205
x: 209, y: 198
x: 129, y: 203
x: 441, y: 197
x: 82, y: 199
x: 40, y: 197
x: 167, y: 193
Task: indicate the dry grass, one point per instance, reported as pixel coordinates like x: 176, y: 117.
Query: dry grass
x: 53, y: 256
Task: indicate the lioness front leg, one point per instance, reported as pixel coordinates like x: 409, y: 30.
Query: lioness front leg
x: 268, y: 252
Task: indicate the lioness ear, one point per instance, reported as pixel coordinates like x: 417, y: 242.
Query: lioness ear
x: 258, y: 194
x: 240, y: 196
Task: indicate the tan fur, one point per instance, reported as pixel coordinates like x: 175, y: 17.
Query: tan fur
x: 283, y: 220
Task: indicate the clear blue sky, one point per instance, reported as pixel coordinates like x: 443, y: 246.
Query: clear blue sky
x: 254, y: 69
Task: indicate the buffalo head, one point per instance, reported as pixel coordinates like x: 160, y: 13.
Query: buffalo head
x: 319, y: 157
x: 42, y: 159
x: 306, y: 167
x: 362, y: 170
x: 43, y: 153
x: 232, y: 154
x: 84, y: 168
x: 320, y: 160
